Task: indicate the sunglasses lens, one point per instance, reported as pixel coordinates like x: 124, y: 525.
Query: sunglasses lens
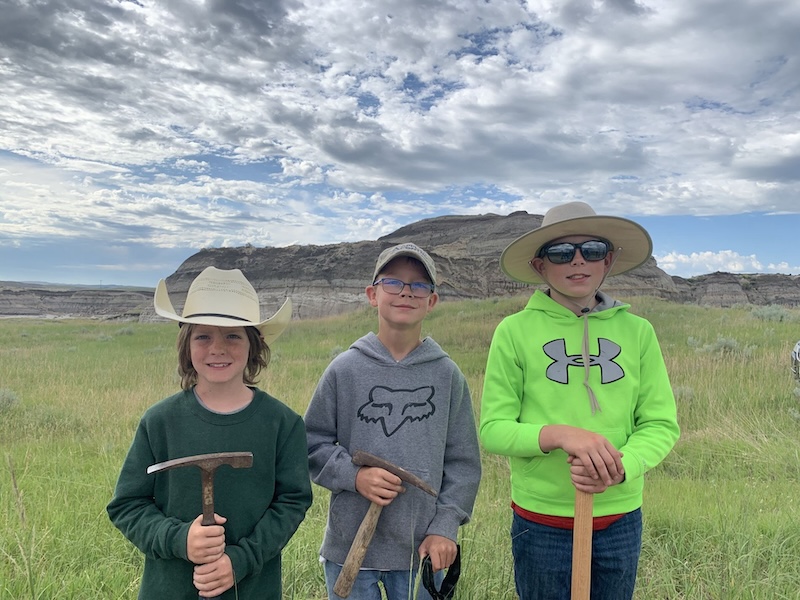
x: 560, y: 253
x: 594, y: 250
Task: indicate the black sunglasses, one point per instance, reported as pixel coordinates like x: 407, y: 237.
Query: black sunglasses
x: 563, y: 252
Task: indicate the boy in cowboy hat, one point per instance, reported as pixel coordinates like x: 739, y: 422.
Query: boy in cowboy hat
x: 222, y: 346
x: 402, y: 398
x: 577, y: 394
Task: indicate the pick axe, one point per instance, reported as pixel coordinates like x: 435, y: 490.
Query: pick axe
x: 582, y: 546
x: 208, y: 464
x: 358, y: 549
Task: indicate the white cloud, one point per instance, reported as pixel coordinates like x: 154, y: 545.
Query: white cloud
x: 192, y: 166
x: 784, y: 268
x: 729, y: 261
x: 526, y: 98
x: 303, y: 121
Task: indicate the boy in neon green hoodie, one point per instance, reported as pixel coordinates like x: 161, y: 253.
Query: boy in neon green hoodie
x: 576, y: 393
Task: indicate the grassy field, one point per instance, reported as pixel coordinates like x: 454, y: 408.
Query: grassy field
x: 721, y: 514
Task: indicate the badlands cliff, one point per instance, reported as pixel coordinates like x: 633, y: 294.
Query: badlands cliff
x: 330, y: 279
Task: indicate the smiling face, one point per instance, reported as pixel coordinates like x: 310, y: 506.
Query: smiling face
x: 258, y: 359
x: 219, y: 355
x: 403, y: 310
x: 575, y: 281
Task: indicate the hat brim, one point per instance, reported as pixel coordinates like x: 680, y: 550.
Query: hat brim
x: 632, y: 244
x: 270, y: 329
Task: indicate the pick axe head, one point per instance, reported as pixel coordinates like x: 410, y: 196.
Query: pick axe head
x: 208, y: 464
x: 365, y: 459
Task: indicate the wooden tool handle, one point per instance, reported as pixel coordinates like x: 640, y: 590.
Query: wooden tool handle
x: 352, y: 564
x: 582, y: 546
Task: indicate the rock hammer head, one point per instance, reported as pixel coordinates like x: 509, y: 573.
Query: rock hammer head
x: 365, y: 459
x: 208, y: 464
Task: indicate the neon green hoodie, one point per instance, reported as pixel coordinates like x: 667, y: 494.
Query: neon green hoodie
x: 535, y: 377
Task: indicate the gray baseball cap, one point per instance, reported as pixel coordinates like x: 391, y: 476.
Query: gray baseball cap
x: 406, y: 249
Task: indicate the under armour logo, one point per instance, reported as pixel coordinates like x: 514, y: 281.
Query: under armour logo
x: 609, y: 370
x: 392, y: 408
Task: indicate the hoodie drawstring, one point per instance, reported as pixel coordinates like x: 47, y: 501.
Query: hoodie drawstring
x: 586, y: 366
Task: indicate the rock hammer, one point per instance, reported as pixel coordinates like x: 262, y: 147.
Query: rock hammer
x: 352, y: 563
x: 208, y: 464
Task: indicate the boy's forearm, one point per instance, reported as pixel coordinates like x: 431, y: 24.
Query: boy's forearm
x: 332, y: 467
x: 270, y: 535
x: 148, y: 529
x: 551, y: 436
x: 283, y: 516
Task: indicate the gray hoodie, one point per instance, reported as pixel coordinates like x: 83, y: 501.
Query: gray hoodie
x: 415, y: 413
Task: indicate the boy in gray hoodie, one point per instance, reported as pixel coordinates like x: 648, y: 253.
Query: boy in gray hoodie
x: 403, y: 399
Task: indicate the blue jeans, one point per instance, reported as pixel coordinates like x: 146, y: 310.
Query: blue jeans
x: 543, y: 559
x: 398, y: 585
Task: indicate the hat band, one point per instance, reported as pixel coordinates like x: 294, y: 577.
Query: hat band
x: 215, y: 315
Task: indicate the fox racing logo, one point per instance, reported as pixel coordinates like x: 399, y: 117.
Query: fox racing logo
x: 392, y: 408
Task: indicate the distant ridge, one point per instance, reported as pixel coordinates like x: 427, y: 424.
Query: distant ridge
x: 69, y: 286
x: 56, y: 300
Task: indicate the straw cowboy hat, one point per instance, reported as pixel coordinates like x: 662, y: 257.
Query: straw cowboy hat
x: 632, y: 245
x: 224, y: 299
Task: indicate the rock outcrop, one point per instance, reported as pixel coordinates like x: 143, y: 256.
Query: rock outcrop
x: 730, y: 289
x: 330, y: 279
x: 51, y: 300
x: 327, y: 280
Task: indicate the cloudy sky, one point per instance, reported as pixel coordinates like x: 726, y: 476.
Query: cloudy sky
x: 135, y: 132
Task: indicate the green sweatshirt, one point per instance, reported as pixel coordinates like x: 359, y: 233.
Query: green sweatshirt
x: 535, y: 377
x: 264, y: 504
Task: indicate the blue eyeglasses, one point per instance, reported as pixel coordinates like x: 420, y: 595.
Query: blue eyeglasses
x: 563, y: 252
x: 418, y: 289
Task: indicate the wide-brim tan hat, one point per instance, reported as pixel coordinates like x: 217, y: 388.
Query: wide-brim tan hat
x: 223, y: 298
x: 632, y: 243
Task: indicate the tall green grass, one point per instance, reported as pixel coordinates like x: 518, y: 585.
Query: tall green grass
x: 722, y: 513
